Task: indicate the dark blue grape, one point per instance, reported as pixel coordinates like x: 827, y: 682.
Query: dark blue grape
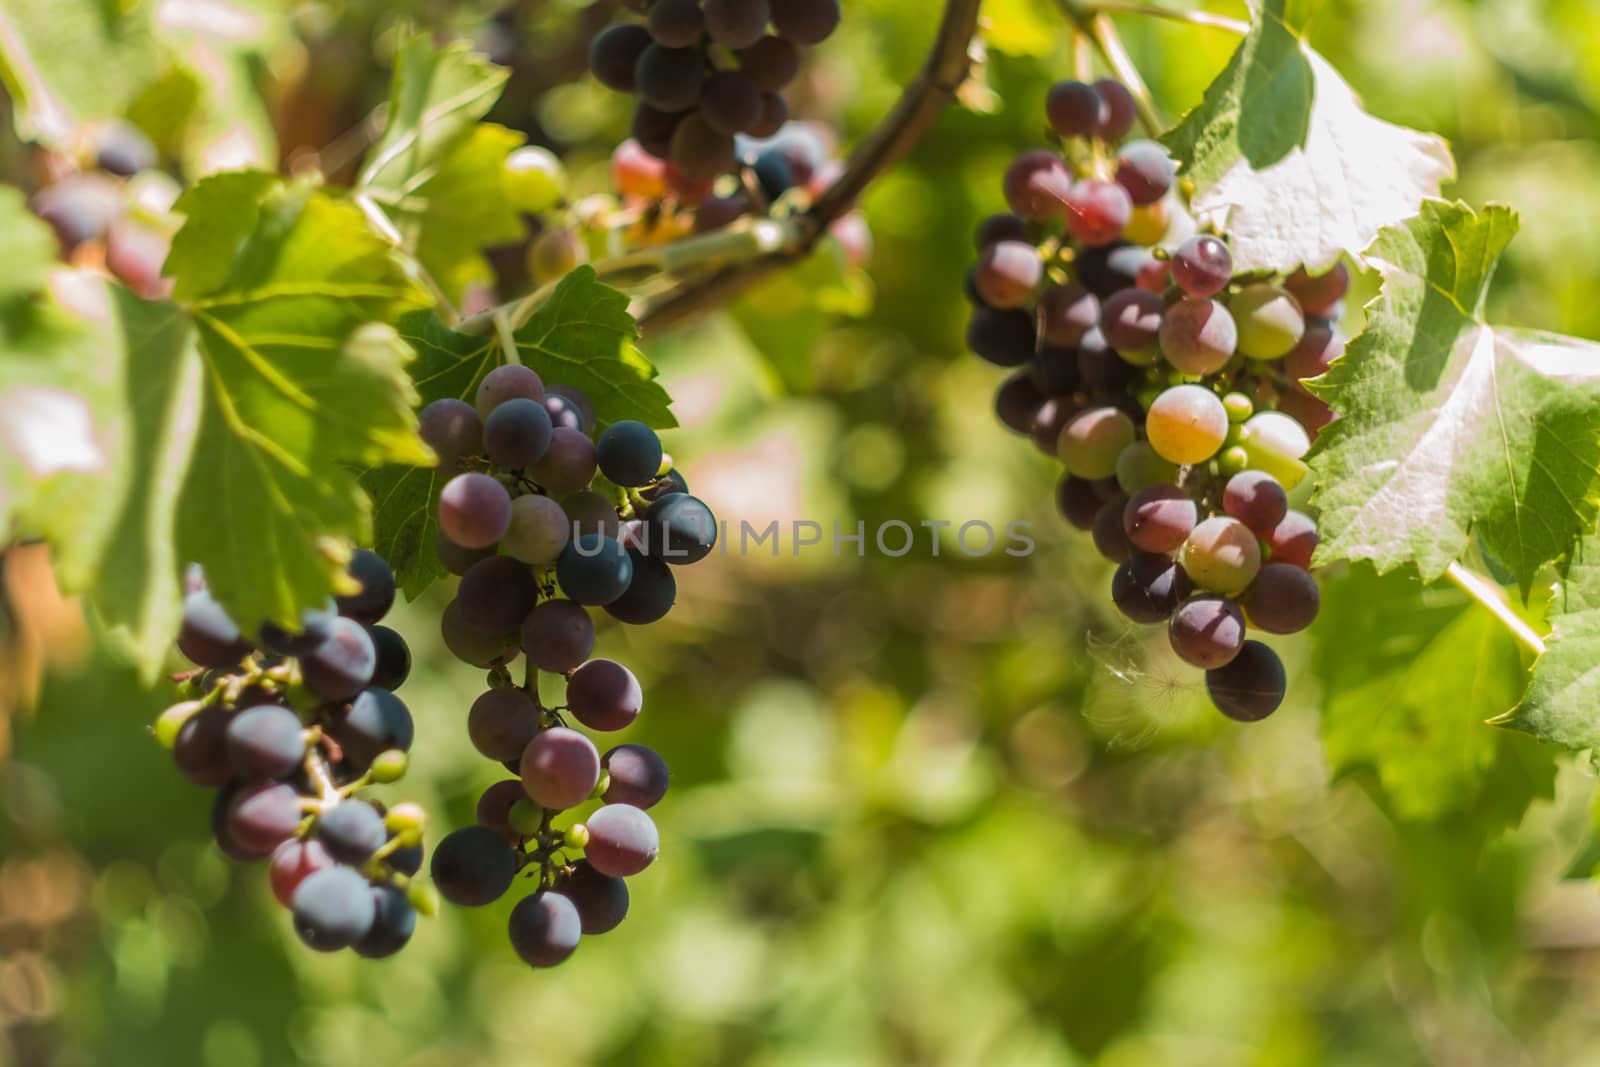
x: 1148, y: 587
x: 614, y: 53
x: 594, y: 569
x: 201, y: 748
x: 564, y: 412
x: 544, y: 929
x: 1250, y: 686
x: 208, y: 637
x: 650, y: 594
x: 629, y: 453
x: 682, y: 529
x: 375, y: 722
x: 266, y: 741
x: 601, y: 900
x: 394, y: 658
x: 393, y: 922
x: 473, y: 866
x: 316, y: 626
x: 406, y: 861
x: 351, y: 831
x: 377, y: 588
x: 333, y: 909
x: 516, y: 433
x: 342, y: 665
x: 773, y: 173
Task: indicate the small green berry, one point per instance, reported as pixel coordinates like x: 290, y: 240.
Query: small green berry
x: 405, y: 817
x: 390, y: 766
x: 525, y: 817
x: 577, y: 836
x: 1238, y: 406
x: 171, y: 721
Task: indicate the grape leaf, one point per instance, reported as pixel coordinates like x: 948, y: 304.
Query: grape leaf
x: 220, y: 427
x: 1562, y: 703
x: 69, y: 60
x: 1449, y: 426
x: 461, y: 209
x: 436, y: 98
x: 582, y: 336
x: 1409, y: 705
x: 1286, y: 161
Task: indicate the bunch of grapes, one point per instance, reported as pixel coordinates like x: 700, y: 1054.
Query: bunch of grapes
x: 1170, y: 389
x: 706, y: 71
x: 545, y: 520
x: 289, y: 727
x: 110, y: 207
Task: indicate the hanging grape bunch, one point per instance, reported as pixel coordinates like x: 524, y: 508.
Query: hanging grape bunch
x: 289, y: 727
x: 707, y: 70
x: 1169, y: 389
x: 538, y: 541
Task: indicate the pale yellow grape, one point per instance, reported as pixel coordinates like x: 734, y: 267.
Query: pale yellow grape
x: 1221, y: 555
x: 1280, y: 432
x: 1269, y: 319
x: 1090, y: 444
x: 1187, y: 424
x: 533, y: 179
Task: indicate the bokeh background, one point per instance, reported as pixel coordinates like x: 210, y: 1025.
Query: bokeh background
x: 940, y: 811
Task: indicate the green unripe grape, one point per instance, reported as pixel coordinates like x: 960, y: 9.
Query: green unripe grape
x: 405, y: 818
x: 1269, y: 319
x: 1221, y: 555
x: 602, y: 785
x: 1187, y: 424
x: 1092, y: 441
x: 171, y: 721
x: 1139, y: 466
x: 554, y: 255
x: 534, y: 180
x: 577, y: 836
x: 525, y: 817
x: 1238, y: 406
x: 390, y: 766
x: 1233, y: 460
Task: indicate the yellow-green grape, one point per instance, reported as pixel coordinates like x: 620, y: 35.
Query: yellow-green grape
x: 1139, y: 466
x: 1280, y: 432
x: 1092, y: 441
x: 1148, y: 224
x: 1187, y: 424
x: 406, y: 818
x: 171, y: 721
x: 1221, y: 555
x: 534, y: 180
x: 1238, y: 406
x: 554, y: 254
x: 525, y: 817
x: 1233, y: 460
x: 389, y: 766
x: 576, y: 837
x: 1269, y: 319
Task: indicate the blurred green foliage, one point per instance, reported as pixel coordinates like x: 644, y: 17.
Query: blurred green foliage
x: 940, y: 811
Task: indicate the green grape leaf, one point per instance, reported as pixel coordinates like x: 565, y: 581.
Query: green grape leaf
x: 1285, y: 160
x: 461, y: 209
x: 1448, y: 426
x: 1409, y: 706
x: 436, y: 98
x: 222, y: 428
x: 66, y: 61
x: 1562, y: 703
x: 405, y: 500
x: 582, y: 336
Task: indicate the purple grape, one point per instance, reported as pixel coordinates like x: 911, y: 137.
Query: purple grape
x: 266, y: 741
x: 1116, y: 119
x: 622, y: 840
x: 1256, y: 499
x: 208, y: 637
x: 1282, y: 600
x: 342, y: 665
x: 569, y: 463
x: 394, y: 658
x: 453, y: 429
x: 601, y: 900
x: 473, y: 646
x: 333, y: 909
x: 394, y: 920
x: 1159, y: 518
x: 497, y: 594
x: 262, y: 816
x: 558, y: 636
x: 377, y: 593
x: 516, y: 433
x: 1148, y: 588
x: 638, y: 776
x: 1202, y: 265
x: 1067, y: 312
x: 560, y: 768
x: 509, y: 382
x: 501, y: 723
x: 1145, y: 170
x: 1206, y: 631
x: 351, y: 831
x: 474, y: 510
x: 1074, y: 109
x: 604, y: 695
x: 473, y: 866
x: 615, y: 52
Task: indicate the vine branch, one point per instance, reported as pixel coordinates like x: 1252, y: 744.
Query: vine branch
x: 919, y: 106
